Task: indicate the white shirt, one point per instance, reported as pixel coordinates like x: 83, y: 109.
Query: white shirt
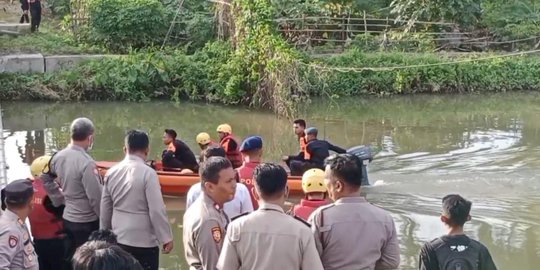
x: 241, y: 203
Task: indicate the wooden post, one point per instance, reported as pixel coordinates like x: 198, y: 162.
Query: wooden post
x: 365, y: 23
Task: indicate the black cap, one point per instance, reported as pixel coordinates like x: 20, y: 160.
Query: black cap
x: 18, y: 191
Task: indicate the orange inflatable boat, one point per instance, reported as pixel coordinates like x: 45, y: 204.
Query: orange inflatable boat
x: 175, y: 183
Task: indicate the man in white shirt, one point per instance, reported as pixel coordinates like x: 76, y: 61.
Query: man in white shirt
x: 242, y: 200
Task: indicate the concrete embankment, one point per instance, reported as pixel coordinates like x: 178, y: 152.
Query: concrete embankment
x: 37, y: 63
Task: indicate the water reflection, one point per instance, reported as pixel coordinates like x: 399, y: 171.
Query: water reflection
x: 486, y: 148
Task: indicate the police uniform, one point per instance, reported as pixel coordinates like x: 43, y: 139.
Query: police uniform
x: 204, y: 228
x: 81, y: 185
x: 16, y: 248
x: 353, y: 234
x: 240, y: 204
x: 269, y: 239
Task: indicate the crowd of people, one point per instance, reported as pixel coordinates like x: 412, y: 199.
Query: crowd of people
x: 236, y: 216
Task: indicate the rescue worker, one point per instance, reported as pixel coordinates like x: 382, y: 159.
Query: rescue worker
x: 178, y: 155
x: 299, y: 125
x: 352, y: 233
x: 35, y: 13
x: 268, y: 238
x: 76, y: 172
x: 205, y: 221
x: 230, y: 144
x: 204, y: 141
x: 316, y: 151
x: 132, y: 204
x: 47, y: 228
x: 16, y: 248
x: 455, y: 249
x: 241, y: 202
x: 315, y: 193
x: 251, y: 150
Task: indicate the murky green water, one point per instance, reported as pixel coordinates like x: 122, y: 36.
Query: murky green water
x: 486, y: 148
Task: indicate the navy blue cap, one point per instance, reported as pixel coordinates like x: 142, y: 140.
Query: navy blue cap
x: 251, y: 143
x: 311, y: 131
x: 18, y: 191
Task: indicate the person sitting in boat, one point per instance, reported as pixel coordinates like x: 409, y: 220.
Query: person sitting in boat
x: 241, y: 202
x: 316, y: 151
x: 178, y: 155
x: 230, y: 144
x: 299, y: 126
x: 251, y: 150
x: 315, y: 193
x: 204, y: 141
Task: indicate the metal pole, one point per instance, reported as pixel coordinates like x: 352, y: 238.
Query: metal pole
x: 3, y: 164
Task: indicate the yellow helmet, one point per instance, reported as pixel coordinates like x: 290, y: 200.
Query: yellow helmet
x: 225, y: 128
x: 39, y: 165
x: 313, y: 181
x: 203, y: 138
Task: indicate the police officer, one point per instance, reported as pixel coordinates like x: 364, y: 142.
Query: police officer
x: 205, y: 221
x: 351, y: 233
x: 132, y: 204
x: 268, y: 238
x: 80, y: 182
x: 16, y: 248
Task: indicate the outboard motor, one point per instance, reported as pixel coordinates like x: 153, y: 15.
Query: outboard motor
x: 365, y: 156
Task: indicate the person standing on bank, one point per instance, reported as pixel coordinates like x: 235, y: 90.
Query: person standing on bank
x: 205, y: 221
x: 352, y: 233
x: 24, y: 6
x: 35, y: 13
x: 132, y: 204
x: 81, y: 184
x: 268, y: 238
x: 455, y: 250
x: 16, y: 248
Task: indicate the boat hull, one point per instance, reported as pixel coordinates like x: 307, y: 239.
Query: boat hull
x: 175, y: 183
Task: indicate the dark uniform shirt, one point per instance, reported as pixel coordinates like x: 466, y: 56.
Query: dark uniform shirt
x: 318, y: 150
x: 454, y: 243
x: 178, y: 155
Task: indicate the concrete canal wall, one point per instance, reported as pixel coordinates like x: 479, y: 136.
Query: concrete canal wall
x: 37, y: 63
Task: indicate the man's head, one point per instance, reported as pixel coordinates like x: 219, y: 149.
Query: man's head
x: 343, y: 175
x: 311, y: 133
x: 103, y: 235
x: 270, y: 182
x: 203, y: 139
x: 100, y: 255
x: 251, y: 148
x: 313, y: 184
x: 82, y: 132
x: 299, y: 125
x: 18, y: 196
x: 169, y: 136
x: 218, y: 179
x: 456, y: 210
x: 224, y: 130
x: 213, y: 151
x: 137, y: 142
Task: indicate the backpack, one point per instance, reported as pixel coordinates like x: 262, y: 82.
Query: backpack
x: 459, y: 257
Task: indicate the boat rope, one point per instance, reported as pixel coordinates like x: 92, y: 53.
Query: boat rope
x: 361, y: 69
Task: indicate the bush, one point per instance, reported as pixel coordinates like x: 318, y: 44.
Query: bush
x: 121, y: 25
x: 494, y: 75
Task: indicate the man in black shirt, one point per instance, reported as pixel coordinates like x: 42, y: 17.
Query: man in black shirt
x: 455, y: 250
x: 178, y: 155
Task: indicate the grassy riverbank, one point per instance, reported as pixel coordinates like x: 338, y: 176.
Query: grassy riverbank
x: 203, y: 76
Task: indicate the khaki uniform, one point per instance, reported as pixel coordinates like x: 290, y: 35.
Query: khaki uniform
x: 80, y: 182
x: 132, y: 205
x: 269, y: 239
x: 204, y: 229
x: 16, y: 248
x: 353, y: 234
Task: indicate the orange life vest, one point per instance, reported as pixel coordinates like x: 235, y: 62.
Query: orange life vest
x: 233, y: 154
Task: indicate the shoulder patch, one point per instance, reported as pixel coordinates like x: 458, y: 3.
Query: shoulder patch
x: 216, y: 234
x: 13, y: 241
x: 301, y: 220
x: 241, y: 215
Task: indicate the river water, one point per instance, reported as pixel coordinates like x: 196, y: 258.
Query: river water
x: 486, y: 148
